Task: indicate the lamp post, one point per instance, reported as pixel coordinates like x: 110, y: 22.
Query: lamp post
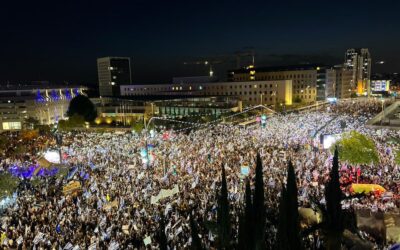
x: 146, y: 125
x: 383, y: 110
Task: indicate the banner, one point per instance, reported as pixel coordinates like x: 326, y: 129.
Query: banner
x: 71, y: 187
x: 244, y: 170
x: 164, y: 193
x: 366, y: 188
x: 110, y: 205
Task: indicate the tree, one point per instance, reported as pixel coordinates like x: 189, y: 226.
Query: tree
x: 397, y: 158
x: 288, y: 229
x: 293, y: 206
x: 282, y: 237
x: 137, y: 127
x: 259, y: 207
x: 81, y: 105
x: 196, y: 242
x: 4, y: 142
x: 249, y: 217
x: 30, y: 122
x: 242, y: 234
x: 333, y: 197
x: 162, y: 239
x: 246, y: 236
x: 334, y: 219
x: 357, y: 148
x: 297, y: 99
x: 223, y: 216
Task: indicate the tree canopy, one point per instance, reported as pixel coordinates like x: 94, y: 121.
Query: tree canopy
x: 74, y: 121
x: 81, y: 105
x: 397, y: 159
x: 357, y: 148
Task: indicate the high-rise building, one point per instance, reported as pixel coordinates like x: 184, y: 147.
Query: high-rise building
x: 113, y: 72
x: 359, y: 61
x: 338, y: 82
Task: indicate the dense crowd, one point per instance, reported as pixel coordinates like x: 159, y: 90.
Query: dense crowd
x: 115, y: 208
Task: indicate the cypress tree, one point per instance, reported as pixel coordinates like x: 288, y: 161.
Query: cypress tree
x: 242, y: 241
x: 223, y: 216
x: 162, y: 239
x: 248, y: 219
x: 292, y: 208
x: 196, y: 242
x: 259, y: 207
x: 333, y: 197
x: 282, y: 237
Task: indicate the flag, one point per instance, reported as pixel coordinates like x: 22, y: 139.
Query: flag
x: 113, y: 246
x: 38, y: 238
x: 167, y: 208
x: 178, y: 231
x: 92, y: 246
x: 68, y: 246
x: 147, y: 241
x: 20, y: 240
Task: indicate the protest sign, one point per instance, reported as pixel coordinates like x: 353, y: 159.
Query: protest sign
x: 164, y: 193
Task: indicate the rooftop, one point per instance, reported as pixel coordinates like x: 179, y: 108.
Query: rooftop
x: 280, y: 68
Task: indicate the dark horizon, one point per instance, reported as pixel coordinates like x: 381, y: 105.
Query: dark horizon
x: 61, y: 42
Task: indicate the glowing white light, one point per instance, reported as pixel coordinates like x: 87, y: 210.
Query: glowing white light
x: 52, y: 156
x: 329, y: 140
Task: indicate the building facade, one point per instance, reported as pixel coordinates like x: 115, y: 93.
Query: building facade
x: 338, y: 82
x: 112, y: 73
x: 308, y: 80
x: 249, y: 92
x: 194, y: 79
x: 47, y: 104
x: 359, y: 61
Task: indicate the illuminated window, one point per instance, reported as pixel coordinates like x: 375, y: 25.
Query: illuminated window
x: 11, y: 125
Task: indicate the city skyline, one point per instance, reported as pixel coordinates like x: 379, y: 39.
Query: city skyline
x: 45, y: 41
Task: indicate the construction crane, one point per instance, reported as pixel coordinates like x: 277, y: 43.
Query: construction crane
x: 246, y: 52
x: 206, y: 63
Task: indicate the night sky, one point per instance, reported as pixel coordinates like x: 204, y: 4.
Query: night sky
x: 60, y: 42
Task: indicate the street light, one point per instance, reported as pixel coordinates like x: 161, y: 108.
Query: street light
x: 383, y: 110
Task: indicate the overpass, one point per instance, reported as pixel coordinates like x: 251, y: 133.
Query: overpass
x: 388, y: 118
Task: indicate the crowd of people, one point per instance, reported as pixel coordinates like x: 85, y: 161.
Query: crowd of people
x: 122, y: 175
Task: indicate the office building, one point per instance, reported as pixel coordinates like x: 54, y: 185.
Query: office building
x: 271, y: 92
x: 112, y: 73
x: 127, y: 112
x: 308, y: 80
x: 47, y: 104
x: 359, y: 61
x: 338, y: 82
x: 194, y: 79
x: 379, y: 86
